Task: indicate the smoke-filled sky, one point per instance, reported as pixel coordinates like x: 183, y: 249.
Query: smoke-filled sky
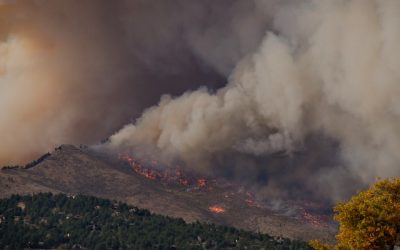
x: 315, y: 82
x: 75, y: 71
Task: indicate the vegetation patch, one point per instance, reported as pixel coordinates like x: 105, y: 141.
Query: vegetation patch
x: 67, y: 221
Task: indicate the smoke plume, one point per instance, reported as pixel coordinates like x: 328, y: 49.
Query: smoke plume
x: 74, y: 71
x: 326, y: 70
x: 296, y: 96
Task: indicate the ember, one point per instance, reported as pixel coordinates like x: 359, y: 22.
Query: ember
x: 201, y: 183
x: 216, y: 209
x: 184, y: 182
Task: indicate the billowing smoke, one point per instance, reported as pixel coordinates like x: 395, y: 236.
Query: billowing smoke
x: 325, y: 71
x: 75, y: 71
x: 297, y: 95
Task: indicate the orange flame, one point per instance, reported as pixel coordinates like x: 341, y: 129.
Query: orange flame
x: 148, y: 173
x: 166, y: 175
x: 216, y: 209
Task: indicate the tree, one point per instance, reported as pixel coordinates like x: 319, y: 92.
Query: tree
x: 370, y: 220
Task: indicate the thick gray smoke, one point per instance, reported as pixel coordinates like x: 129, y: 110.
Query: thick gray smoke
x: 75, y: 71
x: 297, y: 94
x: 324, y: 69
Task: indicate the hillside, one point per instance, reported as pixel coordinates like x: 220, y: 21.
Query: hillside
x: 74, y: 170
x: 61, y: 221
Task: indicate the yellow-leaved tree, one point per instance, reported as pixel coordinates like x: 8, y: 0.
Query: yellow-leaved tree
x: 370, y: 220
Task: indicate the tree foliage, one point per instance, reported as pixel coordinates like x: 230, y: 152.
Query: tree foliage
x: 47, y: 221
x: 370, y: 220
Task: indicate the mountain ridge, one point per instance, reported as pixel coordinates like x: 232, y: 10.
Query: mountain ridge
x: 80, y: 170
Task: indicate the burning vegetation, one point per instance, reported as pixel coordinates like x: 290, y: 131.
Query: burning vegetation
x: 174, y: 175
x: 216, y: 209
x: 151, y: 169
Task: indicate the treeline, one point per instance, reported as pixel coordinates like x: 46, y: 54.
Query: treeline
x: 30, y: 164
x: 75, y: 222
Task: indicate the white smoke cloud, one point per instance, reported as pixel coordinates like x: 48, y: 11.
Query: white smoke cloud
x: 327, y: 67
